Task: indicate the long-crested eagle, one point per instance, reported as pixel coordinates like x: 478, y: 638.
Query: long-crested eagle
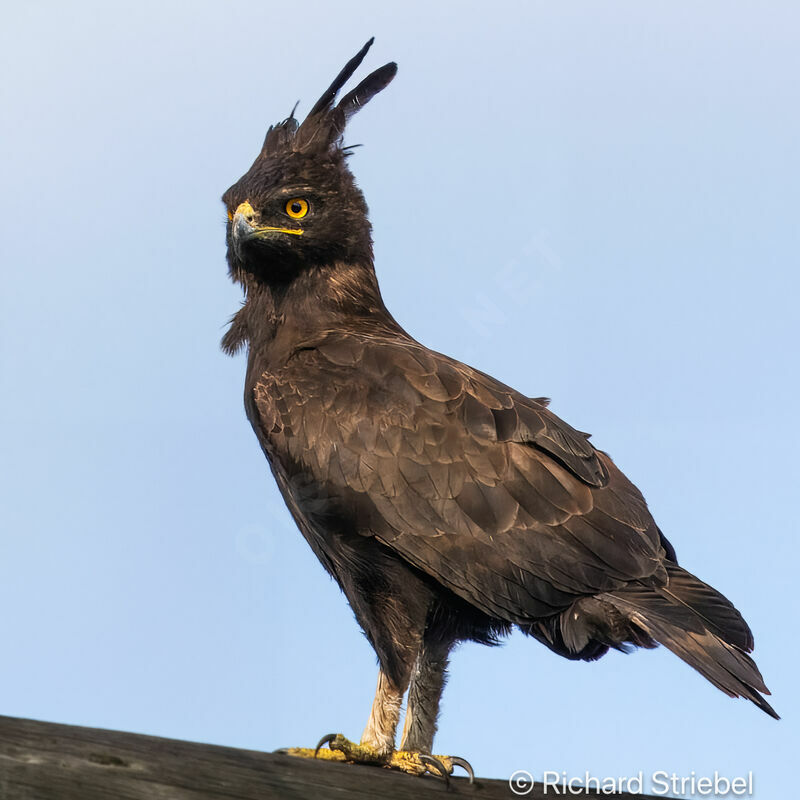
x: 446, y: 505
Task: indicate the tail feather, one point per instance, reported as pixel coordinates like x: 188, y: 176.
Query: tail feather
x: 701, y: 627
x: 716, y: 611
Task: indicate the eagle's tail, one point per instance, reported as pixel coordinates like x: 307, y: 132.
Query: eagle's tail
x: 699, y: 625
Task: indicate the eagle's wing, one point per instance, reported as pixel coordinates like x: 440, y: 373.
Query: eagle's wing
x: 483, y: 489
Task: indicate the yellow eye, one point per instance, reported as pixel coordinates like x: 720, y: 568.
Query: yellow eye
x: 296, y: 208
x: 230, y: 215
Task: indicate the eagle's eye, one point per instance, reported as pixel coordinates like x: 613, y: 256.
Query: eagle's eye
x: 296, y: 208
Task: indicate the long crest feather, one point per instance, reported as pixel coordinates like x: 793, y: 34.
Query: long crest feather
x: 367, y: 89
x: 326, y: 101
x: 324, y: 126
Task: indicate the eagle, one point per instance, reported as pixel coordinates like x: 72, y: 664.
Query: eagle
x: 448, y: 506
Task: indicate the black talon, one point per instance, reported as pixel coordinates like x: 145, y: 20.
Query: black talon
x: 462, y: 762
x: 326, y: 739
x: 431, y: 761
x: 281, y: 751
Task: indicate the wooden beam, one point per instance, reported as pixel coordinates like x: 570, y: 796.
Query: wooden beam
x: 46, y: 761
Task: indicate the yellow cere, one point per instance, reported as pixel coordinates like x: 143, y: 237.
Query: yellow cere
x: 245, y: 209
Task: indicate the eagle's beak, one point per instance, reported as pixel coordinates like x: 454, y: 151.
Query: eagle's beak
x: 242, y: 227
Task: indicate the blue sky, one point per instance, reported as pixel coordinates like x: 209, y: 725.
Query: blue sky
x: 597, y: 203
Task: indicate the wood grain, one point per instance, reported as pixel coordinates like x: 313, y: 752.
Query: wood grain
x: 48, y: 761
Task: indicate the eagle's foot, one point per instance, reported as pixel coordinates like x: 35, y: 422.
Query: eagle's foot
x: 420, y: 763
x: 342, y: 749
x: 308, y: 752
x: 339, y: 749
x: 350, y: 751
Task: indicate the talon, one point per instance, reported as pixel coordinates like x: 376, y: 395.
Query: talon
x: 326, y: 739
x: 432, y: 761
x: 467, y: 767
x: 281, y: 751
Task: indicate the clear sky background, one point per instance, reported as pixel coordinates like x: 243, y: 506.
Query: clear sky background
x: 595, y: 202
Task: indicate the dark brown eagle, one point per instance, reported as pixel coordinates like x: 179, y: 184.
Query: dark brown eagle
x: 446, y: 505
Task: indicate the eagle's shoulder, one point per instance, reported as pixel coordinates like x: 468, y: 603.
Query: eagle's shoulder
x: 397, y: 378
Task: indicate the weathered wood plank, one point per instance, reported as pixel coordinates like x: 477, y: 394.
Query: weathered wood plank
x: 47, y: 761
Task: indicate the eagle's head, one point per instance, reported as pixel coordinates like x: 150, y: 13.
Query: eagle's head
x: 298, y: 205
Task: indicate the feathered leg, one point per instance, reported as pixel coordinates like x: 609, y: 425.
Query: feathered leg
x: 382, y: 724
x: 424, y: 695
x: 377, y: 742
x: 422, y: 711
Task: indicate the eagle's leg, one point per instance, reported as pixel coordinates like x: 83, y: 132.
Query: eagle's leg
x: 384, y: 716
x: 422, y: 709
x: 406, y: 645
x: 377, y: 741
x: 424, y: 694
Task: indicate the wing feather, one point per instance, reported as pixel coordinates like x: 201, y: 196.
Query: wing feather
x: 485, y: 490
